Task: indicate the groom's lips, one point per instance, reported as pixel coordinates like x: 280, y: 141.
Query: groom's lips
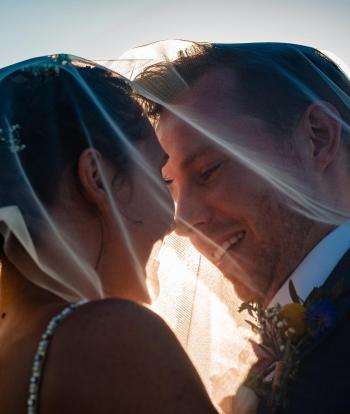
x: 217, y: 249
x: 229, y: 244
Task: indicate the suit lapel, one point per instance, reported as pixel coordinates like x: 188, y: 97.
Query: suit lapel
x: 338, y: 286
x: 339, y: 280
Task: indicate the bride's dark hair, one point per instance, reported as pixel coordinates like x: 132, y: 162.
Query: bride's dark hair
x: 52, y: 116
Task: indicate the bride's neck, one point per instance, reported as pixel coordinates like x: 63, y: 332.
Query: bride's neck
x: 18, y: 294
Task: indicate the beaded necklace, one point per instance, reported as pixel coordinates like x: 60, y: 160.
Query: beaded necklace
x: 39, y: 359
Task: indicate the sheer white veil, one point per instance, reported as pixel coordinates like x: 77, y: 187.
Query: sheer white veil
x: 53, y: 106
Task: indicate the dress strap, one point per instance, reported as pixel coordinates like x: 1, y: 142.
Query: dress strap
x: 41, y: 353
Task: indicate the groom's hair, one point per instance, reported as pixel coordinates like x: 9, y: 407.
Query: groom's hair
x: 274, y: 81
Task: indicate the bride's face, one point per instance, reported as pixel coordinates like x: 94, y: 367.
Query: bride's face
x: 149, y: 211
x: 141, y: 213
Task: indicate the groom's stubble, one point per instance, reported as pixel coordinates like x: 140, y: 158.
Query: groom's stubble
x: 258, y: 276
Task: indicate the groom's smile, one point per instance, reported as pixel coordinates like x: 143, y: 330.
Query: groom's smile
x: 226, y: 246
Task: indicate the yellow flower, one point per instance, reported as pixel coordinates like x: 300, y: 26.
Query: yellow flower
x: 294, y: 315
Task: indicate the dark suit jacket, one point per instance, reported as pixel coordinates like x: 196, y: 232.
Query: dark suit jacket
x: 322, y: 384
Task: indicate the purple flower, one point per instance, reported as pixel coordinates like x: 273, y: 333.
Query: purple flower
x: 321, y: 317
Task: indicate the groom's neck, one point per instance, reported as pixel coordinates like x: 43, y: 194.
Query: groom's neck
x: 295, y: 256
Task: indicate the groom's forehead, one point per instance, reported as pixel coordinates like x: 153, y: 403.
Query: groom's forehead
x: 203, y: 117
x: 210, y: 101
x: 216, y: 85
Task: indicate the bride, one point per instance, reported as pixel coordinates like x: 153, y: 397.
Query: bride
x: 81, y: 205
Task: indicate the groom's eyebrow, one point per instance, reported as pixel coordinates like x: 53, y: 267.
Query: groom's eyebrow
x: 195, y: 155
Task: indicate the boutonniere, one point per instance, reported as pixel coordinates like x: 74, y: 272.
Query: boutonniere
x: 283, y: 331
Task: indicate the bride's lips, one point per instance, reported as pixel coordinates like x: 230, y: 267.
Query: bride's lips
x: 228, y: 244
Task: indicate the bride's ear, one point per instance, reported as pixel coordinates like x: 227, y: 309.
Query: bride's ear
x: 93, y: 178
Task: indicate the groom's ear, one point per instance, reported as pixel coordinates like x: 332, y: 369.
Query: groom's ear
x: 324, y: 129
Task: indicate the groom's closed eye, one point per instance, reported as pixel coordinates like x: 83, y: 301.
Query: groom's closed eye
x: 205, y: 174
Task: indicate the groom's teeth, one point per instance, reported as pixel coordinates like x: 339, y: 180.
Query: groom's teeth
x: 220, y: 252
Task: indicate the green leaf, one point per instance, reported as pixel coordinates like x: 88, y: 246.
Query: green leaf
x: 247, y: 306
x: 266, y: 340
x: 252, y: 325
x: 293, y: 293
x: 243, y: 307
x: 269, y: 351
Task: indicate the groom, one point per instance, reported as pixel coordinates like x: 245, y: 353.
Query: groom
x: 225, y: 114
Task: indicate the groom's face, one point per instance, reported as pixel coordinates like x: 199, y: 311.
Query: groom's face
x: 230, y: 213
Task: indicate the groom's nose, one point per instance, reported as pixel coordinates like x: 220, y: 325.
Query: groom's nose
x: 191, y: 213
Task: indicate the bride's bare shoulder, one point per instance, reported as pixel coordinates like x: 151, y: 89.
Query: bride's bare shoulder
x: 116, y: 355
x: 112, y: 318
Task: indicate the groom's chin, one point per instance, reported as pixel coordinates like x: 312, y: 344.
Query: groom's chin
x: 247, y: 294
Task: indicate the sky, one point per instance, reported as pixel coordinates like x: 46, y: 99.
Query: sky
x: 105, y: 29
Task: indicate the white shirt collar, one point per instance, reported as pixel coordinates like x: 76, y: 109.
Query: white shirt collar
x: 314, y: 270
